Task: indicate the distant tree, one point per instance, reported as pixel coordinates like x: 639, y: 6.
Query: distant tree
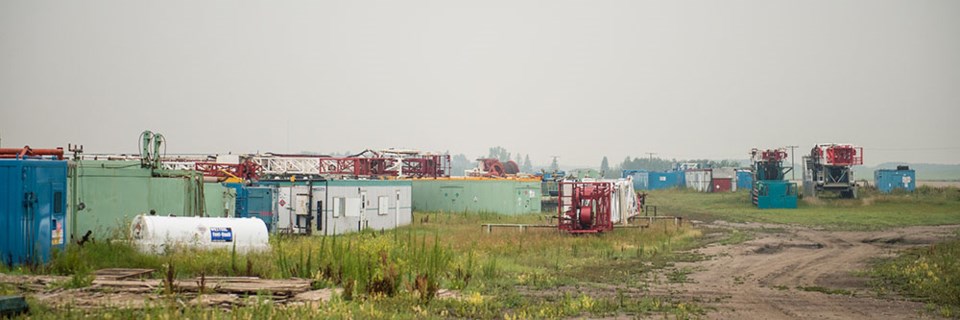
x: 527, y: 166
x: 554, y: 166
x: 605, y: 167
x: 518, y: 160
x: 460, y: 163
x: 650, y: 164
x: 499, y: 153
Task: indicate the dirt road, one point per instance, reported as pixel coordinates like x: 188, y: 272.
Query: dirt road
x: 783, y: 271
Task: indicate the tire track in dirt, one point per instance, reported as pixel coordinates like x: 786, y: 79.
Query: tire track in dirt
x: 762, y: 278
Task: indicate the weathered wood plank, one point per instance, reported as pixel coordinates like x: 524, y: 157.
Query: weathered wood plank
x: 216, y: 284
x: 121, y: 273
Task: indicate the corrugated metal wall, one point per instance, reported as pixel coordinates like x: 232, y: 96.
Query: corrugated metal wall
x: 698, y: 180
x: 503, y: 196
x: 106, y: 195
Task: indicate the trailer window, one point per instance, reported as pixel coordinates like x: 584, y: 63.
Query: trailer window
x: 339, y: 206
x: 58, y: 202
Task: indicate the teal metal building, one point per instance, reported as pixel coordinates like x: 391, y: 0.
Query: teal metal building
x: 476, y: 195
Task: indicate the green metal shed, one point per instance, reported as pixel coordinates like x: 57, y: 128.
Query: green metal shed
x: 502, y: 196
x: 104, y: 196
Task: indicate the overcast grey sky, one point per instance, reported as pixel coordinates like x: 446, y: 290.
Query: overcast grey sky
x: 576, y: 79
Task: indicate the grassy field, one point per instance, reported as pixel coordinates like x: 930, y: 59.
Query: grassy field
x: 926, y: 206
x: 505, y: 274
x: 929, y: 274
x: 509, y: 274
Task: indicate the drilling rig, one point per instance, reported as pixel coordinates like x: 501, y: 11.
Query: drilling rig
x: 829, y: 168
x: 770, y: 188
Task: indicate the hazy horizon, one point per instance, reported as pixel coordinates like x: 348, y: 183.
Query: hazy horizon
x: 578, y: 80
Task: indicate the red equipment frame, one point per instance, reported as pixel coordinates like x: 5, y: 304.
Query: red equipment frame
x: 247, y: 170
x: 371, y: 167
x: 838, y: 155
x: 423, y: 166
x: 586, y: 209
x: 492, y: 167
x: 773, y: 155
x: 430, y: 166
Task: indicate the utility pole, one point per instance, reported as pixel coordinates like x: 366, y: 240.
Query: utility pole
x: 650, y: 163
x: 793, y: 166
x: 651, y: 156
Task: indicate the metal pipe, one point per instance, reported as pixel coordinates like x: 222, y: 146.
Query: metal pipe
x: 27, y: 151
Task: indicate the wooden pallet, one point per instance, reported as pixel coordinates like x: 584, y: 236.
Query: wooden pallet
x: 238, y: 285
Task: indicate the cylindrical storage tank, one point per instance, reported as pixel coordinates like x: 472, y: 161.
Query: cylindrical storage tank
x: 155, y: 234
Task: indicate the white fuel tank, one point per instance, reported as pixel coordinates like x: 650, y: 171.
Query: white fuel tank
x: 154, y: 234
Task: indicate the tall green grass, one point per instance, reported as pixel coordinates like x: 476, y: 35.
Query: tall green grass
x: 402, y: 270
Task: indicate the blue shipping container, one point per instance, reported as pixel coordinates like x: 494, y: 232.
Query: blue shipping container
x: 640, y: 178
x: 255, y: 202
x: 665, y: 180
x: 33, y: 203
x: 744, y: 180
x: 888, y: 180
x: 260, y: 204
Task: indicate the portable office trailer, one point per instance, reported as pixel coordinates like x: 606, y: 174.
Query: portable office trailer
x: 33, y: 201
x: 474, y: 195
x: 296, y: 205
x: 341, y: 206
x: 888, y: 180
x: 354, y: 205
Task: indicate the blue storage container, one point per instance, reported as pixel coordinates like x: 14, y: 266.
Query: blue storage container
x: 888, y: 180
x: 240, y: 206
x: 744, y: 180
x: 665, y: 180
x: 553, y: 175
x: 33, y: 205
x: 640, y: 178
x: 260, y: 204
x: 775, y: 194
x: 254, y: 201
